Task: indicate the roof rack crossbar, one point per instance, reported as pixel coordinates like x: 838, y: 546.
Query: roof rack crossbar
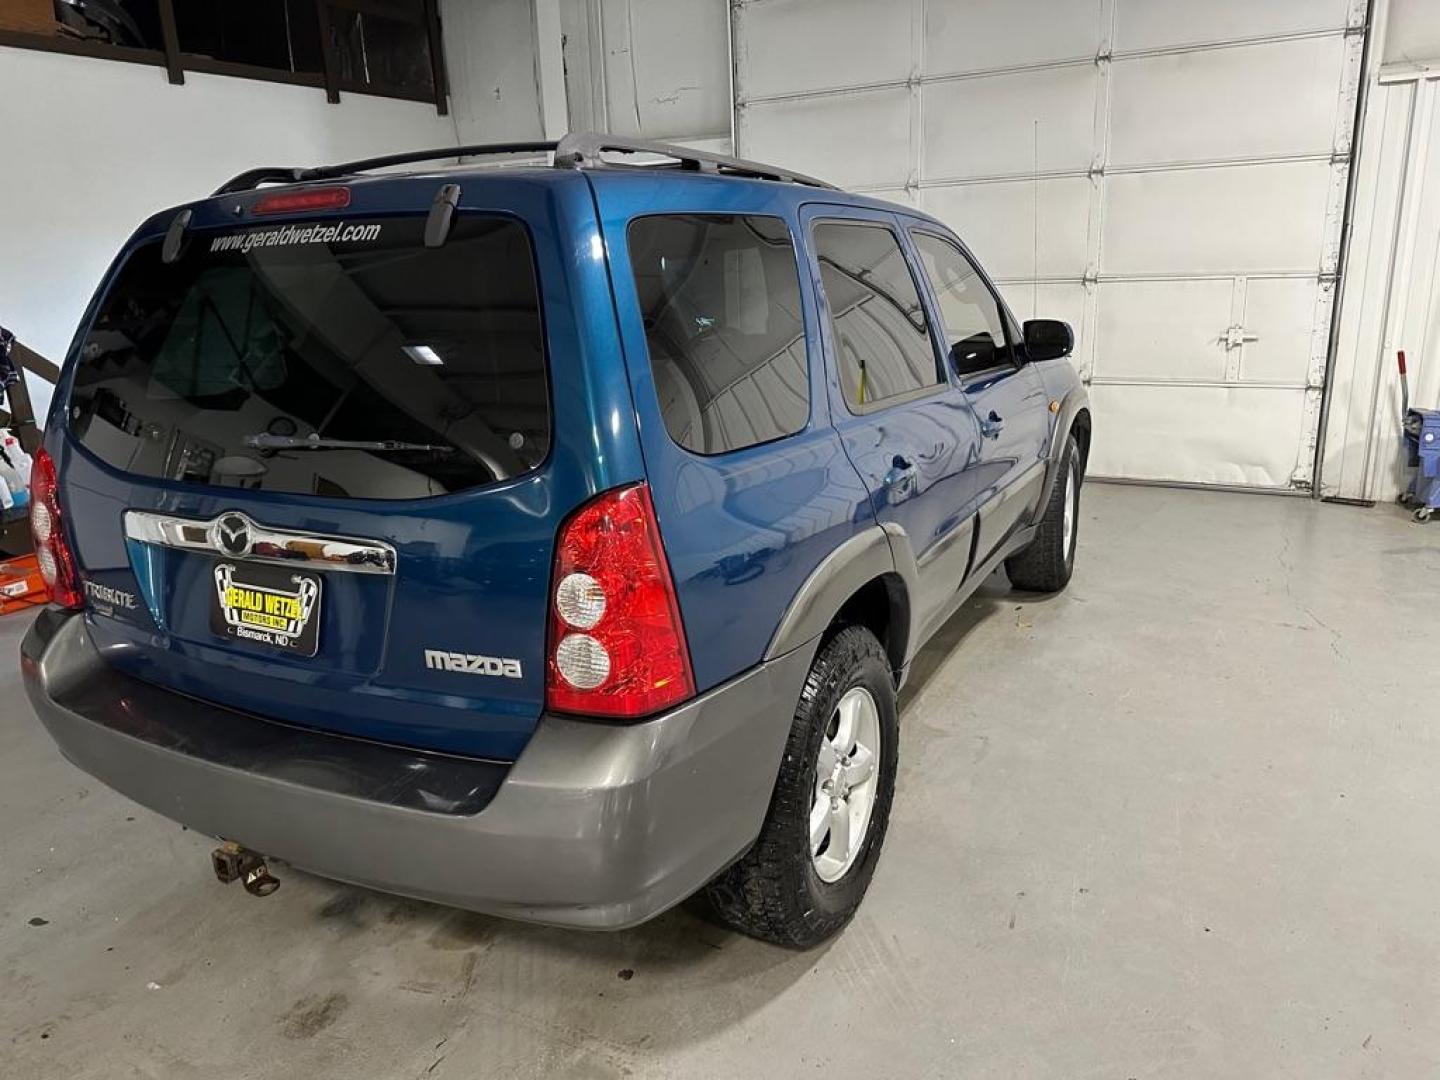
x: 586, y: 150
x: 578, y: 150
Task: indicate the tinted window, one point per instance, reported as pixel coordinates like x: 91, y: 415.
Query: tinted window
x: 974, y: 329
x: 354, y: 332
x: 720, y: 298
x: 882, y: 339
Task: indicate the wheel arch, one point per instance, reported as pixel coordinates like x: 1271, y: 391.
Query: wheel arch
x: 1081, y: 428
x: 1073, y: 419
x: 882, y: 606
x: 857, y: 583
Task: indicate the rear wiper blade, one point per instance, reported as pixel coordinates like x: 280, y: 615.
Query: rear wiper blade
x: 265, y: 441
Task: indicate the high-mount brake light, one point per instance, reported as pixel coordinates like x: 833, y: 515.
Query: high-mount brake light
x: 289, y: 202
x: 52, y: 550
x: 617, y: 644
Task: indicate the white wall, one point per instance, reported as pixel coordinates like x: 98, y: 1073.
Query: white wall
x: 490, y: 53
x: 656, y: 69
x: 1412, y: 33
x: 93, y: 147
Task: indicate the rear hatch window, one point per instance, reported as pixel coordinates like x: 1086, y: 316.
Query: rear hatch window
x: 342, y: 359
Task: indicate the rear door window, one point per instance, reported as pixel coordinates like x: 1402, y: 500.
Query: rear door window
x: 720, y: 300
x: 882, y: 337
x: 345, y: 360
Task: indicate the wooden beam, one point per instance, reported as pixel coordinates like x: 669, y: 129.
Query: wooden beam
x: 211, y: 66
x: 327, y: 52
x: 171, y: 38
x: 22, y: 412
x: 79, y: 47
x: 437, y: 57
x: 30, y: 360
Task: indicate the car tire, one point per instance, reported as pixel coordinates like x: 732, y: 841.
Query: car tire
x: 787, y: 889
x: 1047, y: 563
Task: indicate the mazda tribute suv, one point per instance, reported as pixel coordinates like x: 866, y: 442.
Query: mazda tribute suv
x: 549, y: 540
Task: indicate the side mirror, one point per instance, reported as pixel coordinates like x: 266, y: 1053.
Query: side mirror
x: 1048, y: 339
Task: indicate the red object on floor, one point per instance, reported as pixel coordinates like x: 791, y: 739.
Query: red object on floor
x: 21, y: 585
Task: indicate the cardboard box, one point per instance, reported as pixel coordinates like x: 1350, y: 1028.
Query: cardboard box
x: 29, y: 16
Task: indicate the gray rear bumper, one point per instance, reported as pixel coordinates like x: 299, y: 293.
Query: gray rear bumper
x: 596, y: 825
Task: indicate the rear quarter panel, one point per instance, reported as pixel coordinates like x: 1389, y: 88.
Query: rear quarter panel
x: 745, y: 529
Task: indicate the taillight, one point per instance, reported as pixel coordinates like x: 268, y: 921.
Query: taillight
x: 52, y: 551
x: 617, y: 646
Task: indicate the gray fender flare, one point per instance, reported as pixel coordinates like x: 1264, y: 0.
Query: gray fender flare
x: 1070, y: 406
x: 841, y: 574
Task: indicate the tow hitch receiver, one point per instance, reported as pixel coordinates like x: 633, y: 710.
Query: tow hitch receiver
x: 232, y: 862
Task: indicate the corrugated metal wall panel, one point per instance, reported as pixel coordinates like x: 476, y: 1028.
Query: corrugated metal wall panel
x: 1392, y: 292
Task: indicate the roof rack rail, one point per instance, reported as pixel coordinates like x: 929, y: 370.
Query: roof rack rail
x: 578, y: 150
x: 253, y: 178
x: 586, y: 150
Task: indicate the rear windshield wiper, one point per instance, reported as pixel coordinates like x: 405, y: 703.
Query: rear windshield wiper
x: 265, y: 441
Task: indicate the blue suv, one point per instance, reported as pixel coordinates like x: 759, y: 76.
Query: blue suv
x: 549, y: 540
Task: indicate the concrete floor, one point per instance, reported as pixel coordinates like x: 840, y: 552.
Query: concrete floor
x: 1180, y: 821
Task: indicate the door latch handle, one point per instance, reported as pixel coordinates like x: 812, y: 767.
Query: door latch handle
x: 1236, y: 336
x: 900, y: 480
x: 992, y: 425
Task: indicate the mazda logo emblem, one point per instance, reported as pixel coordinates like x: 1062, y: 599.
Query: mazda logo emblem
x: 232, y: 532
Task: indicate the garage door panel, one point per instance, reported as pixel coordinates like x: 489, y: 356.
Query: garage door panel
x: 998, y: 221
x: 985, y: 126
x: 1050, y: 300
x: 1201, y: 106
x: 983, y: 35
x: 1157, y: 24
x: 1064, y: 300
x: 1185, y: 187
x: 1217, y: 220
x: 1197, y: 434
x: 790, y: 46
x: 818, y: 135
x: 1281, y: 313
x: 1162, y: 329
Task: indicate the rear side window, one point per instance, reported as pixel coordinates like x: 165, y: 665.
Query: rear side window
x: 882, y: 338
x: 974, y: 329
x: 720, y: 299
x: 341, y: 359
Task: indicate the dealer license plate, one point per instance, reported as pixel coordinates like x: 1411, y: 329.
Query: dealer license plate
x: 267, y: 605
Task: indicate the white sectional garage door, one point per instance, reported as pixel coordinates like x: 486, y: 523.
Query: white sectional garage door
x: 1168, y: 175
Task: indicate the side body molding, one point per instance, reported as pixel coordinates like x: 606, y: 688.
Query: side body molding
x: 862, y: 558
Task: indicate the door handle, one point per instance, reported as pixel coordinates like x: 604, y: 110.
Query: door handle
x: 992, y: 425
x: 900, y: 480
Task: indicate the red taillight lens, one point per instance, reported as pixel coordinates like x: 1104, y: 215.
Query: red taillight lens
x: 617, y: 645
x: 52, y: 551
x: 286, y: 202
